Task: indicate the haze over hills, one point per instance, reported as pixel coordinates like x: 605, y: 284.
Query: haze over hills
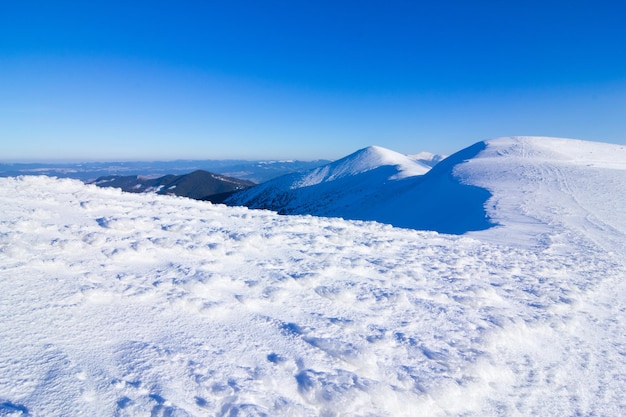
x: 255, y: 171
x: 140, y: 304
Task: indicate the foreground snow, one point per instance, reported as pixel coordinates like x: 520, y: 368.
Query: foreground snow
x: 123, y: 304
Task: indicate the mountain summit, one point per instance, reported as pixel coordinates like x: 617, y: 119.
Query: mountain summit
x: 335, y: 189
x: 364, y: 160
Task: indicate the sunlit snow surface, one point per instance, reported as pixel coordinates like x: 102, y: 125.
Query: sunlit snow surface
x: 118, y: 304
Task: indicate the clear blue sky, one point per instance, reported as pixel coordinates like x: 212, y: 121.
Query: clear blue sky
x: 109, y: 80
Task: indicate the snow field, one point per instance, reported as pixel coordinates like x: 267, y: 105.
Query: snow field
x: 124, y: 304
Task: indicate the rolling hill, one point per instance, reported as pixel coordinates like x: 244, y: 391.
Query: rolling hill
x: 197, y: 184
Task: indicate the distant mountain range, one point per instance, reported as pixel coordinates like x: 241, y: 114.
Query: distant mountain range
x: 199, y: 185
x: 255, y: 171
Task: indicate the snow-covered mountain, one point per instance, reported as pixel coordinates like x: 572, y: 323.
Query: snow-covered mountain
x: 337, y: 189
x: 455, y: 196
x: 136, y: 304
x: 382, y: 185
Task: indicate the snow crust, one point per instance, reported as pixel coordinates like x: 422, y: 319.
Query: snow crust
x: 132, y: 304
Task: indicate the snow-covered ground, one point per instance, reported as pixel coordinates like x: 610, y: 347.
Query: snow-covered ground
x: 124, y: 304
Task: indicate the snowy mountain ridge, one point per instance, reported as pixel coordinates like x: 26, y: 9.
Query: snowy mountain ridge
x: 454, y: 196
x: 136, y: 304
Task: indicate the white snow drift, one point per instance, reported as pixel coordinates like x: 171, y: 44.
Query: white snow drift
x: 124, y: 304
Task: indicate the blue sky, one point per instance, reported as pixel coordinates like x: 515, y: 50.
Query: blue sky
x: 107, y: 80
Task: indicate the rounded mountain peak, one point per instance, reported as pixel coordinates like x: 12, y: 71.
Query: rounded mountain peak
x: 373, y: 157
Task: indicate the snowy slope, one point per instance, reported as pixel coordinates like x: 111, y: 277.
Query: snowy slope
x: 440, y: 200
x: 540, y: 185
x: 524, y: 186
x: 336, y: 189
x: 124, y: 304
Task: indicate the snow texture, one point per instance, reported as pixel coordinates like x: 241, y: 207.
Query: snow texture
x: 117, y: 304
